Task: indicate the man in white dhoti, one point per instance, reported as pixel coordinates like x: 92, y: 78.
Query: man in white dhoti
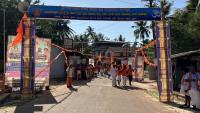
x: 113, y: 73
x: 198, y: 88
x: 193, y: 88
x: 185, y: 87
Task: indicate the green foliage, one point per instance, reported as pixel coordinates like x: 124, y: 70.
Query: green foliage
x: 90, y: 33
x: 83, y: 41
x: 166, y: 6
x: 192, y: 4
x: 185, y: 30
x: 56, y: 30
x: 12, y: 18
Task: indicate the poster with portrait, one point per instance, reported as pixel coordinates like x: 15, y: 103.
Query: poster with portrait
x: 13, y: 64
x: 42, y: 60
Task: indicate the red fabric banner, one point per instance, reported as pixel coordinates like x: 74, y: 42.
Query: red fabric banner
x: 20, y: 32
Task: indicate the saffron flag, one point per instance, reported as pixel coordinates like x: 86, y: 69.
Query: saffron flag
x: 20, y: 32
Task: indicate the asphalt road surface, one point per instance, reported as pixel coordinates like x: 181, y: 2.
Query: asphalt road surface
x: 98, y: 96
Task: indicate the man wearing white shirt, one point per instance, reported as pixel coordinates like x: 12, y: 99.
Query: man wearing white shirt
x: 113, y: 72
x: 193, y: 88
x: 185, y: 83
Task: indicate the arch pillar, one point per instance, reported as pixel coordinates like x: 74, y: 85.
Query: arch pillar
x: 164, y: 67
x: 27, y: 59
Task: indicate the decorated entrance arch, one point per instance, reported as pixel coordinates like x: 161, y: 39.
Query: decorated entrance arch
x: 106, y: 14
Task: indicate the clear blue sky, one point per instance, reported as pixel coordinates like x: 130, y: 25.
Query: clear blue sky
x: 111, y: 29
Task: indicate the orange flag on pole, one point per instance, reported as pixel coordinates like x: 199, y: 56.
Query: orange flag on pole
x: 20, y: 32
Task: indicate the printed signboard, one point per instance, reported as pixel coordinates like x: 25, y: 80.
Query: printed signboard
x: 83, y: 13
x: 42, y: 60
x: 13, y: 64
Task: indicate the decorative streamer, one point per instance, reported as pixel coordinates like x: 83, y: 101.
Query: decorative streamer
x: 152, y: 43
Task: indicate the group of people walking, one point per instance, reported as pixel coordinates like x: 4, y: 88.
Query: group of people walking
x: 121, y: 72
x: 118, y: 73
x: 190, y: 86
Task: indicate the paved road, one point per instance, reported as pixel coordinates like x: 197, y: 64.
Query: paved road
x: 99, y: 96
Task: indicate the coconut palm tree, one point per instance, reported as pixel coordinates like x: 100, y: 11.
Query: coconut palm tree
x: 90, y: 33
x: 151, y: 3
x: 63, y: 30
x: 142, y: 30
x: 166, y: 10
x: 166, y: 6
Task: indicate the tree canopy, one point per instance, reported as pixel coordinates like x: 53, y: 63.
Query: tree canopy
x: 185, y: 29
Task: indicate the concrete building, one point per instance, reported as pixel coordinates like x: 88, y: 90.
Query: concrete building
x: 58, y: 67
x: 109, y: 51
x: 181, y: 62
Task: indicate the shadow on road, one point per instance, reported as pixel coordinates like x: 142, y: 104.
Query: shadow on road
x: 174, y: 104
x: 147, y: 82
x: 45, y: 98
x: 80, y: 82
x: 36, y: 104
x: 128, y: 88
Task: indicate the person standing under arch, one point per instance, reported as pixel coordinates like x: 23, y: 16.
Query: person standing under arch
x: 69, y: 76
x: 193, y: 86
x: 185, y: 88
